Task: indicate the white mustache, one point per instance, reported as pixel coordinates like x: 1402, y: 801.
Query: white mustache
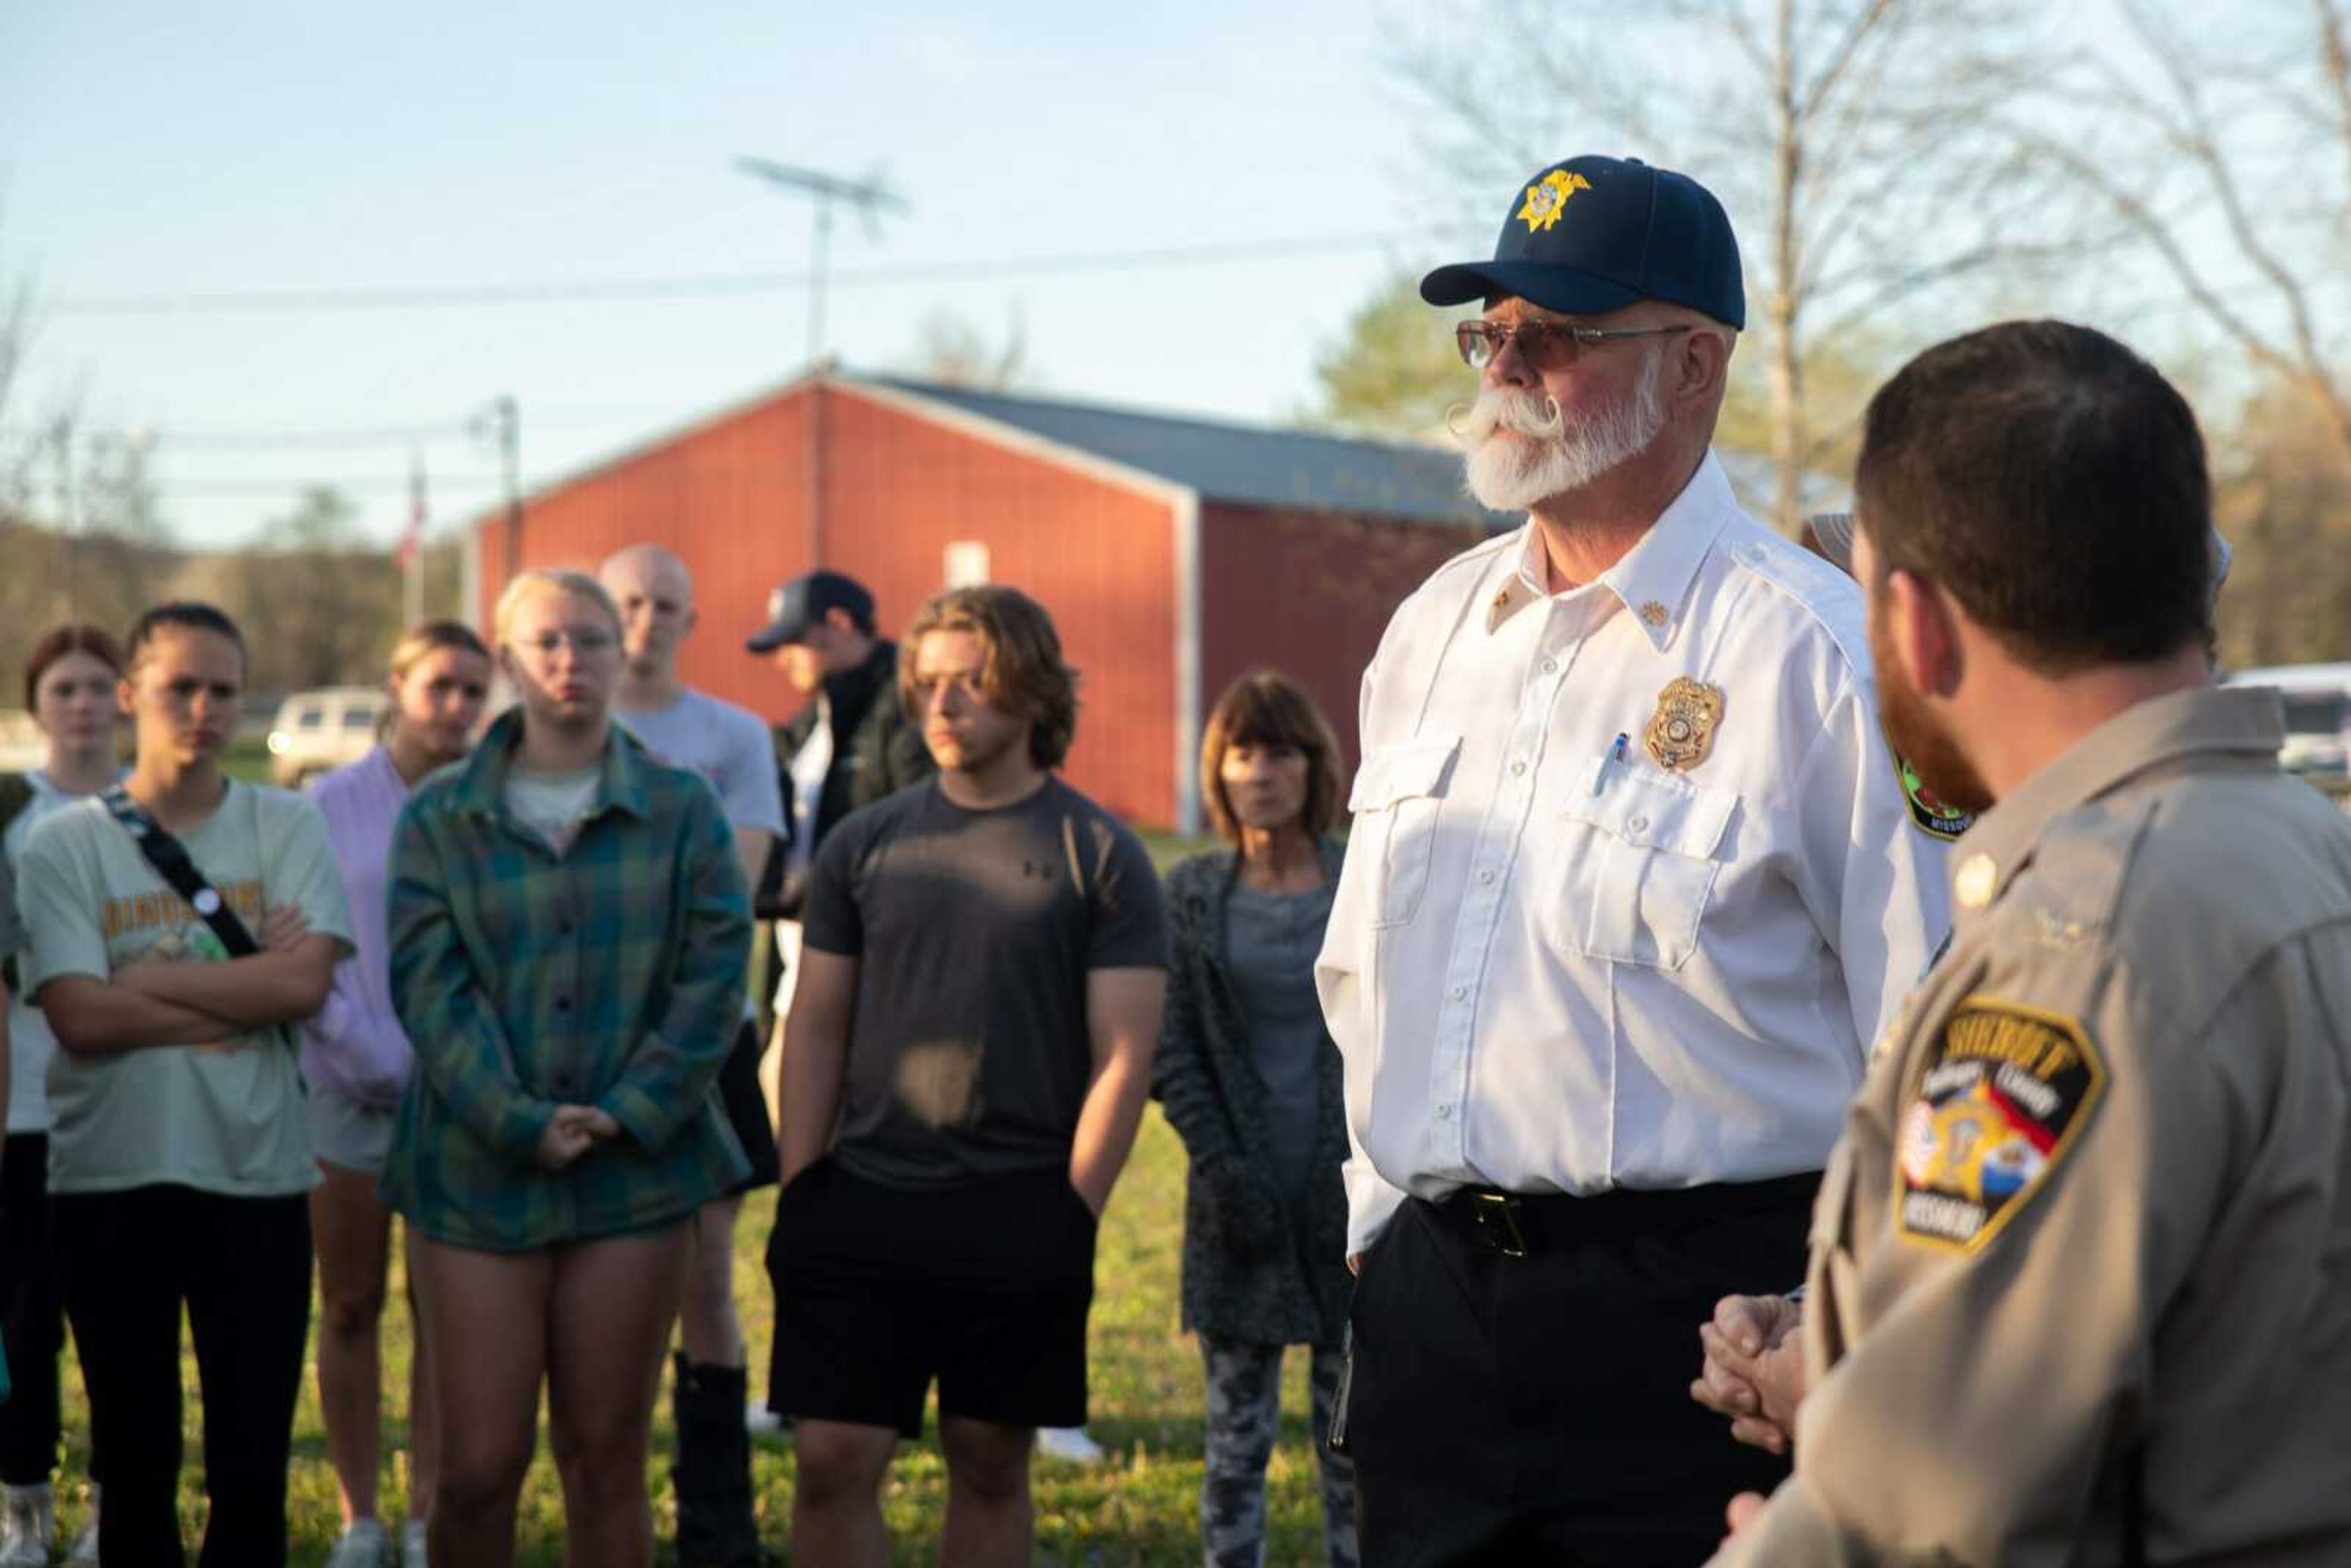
x: 1514, y: 409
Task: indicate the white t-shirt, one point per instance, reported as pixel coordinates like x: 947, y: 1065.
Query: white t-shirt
x: 226, y: 1118
x: 553, y: 805
x: 811, y: 764
x: 30, y: 1042
x: 727, y: 745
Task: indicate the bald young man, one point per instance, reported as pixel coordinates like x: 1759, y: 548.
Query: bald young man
x: 729, y: 747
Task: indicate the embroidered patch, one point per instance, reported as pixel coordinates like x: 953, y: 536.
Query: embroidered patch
x: 2002, y: 1097
x: 1681, y: 732
x: 1547, y: 198
x: 1932, y: 817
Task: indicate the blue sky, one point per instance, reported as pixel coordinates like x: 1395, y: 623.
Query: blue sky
x: 152, y: 150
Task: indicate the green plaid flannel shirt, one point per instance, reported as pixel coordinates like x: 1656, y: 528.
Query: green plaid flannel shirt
x: 612, y: 974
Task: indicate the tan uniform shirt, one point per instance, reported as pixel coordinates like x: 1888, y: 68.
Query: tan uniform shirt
x: 2094, y: 1200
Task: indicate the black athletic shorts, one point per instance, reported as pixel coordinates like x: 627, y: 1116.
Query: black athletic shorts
x: 746, y: 1108
x: 984, y: 1287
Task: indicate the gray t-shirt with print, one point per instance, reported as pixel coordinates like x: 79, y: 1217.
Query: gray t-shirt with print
x: 975, y: 931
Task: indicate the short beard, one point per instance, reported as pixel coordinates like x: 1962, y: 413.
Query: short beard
x: 1547, y: 457
x: 1921, y: 738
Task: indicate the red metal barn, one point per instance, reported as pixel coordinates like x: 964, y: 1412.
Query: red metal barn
x: 1175, y: 554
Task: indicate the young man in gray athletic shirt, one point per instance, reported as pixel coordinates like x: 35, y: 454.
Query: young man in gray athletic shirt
x: 966, y: 1059
x: 729, y: 747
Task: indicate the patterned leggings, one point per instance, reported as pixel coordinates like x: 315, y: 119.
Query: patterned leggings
x: 1244, y: 1408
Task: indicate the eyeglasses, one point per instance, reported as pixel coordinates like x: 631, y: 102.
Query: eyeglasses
x: 1544, y: 346
x: 587, y: 644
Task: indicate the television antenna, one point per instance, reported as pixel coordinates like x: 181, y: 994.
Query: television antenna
x: 869, y: 198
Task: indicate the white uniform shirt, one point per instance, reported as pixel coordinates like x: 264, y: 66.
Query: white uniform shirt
x: 1553, y: 969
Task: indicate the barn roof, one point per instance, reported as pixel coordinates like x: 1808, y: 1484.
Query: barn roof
x: 1224, y: 461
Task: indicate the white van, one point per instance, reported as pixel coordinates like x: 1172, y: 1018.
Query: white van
x: 319, y: 731
x: 2318, y: 718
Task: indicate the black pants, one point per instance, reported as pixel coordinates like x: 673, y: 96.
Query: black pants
x: 242, y: 1265
x: 32, y: 1314
x: 1536, y: 1409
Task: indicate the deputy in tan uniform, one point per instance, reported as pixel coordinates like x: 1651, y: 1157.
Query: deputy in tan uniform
x: 2078, y: 1268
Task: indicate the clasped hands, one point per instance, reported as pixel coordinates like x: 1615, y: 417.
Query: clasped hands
x: 1753, y: 1371
x: 570, y: 1133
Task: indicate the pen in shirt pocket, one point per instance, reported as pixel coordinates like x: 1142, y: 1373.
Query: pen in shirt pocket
x: 1615, y: 754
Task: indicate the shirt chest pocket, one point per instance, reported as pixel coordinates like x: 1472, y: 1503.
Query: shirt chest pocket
x: 1396, y: 798
x: 1637, y: 857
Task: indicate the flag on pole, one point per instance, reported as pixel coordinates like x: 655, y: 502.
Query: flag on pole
x: 412, y: 539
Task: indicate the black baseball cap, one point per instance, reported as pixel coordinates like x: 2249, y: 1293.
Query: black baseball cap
x: 1594, y: 234
x: 802, y: 603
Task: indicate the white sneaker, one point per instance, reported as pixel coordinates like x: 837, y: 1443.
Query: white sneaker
x: 414, y: 1551
x: 85, y: 1547
x: 1069, y: 1444
x: 28, y: 1527
x: 363, y: 1546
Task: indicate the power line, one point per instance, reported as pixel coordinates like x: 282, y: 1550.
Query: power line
x: 433, y: 297
x: 270, y: 489
x: 168, y: 438
x: 172, y: 440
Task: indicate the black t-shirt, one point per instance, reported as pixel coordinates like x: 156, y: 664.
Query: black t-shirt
x: 973, y: 931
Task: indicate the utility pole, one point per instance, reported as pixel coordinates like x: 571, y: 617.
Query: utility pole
x: 871, y: 199
x: 500, y: 421
x: 412, y: 543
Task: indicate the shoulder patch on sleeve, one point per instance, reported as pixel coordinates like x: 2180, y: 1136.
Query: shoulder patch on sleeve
x: 2001, y: 1098
x: 1929, y: 814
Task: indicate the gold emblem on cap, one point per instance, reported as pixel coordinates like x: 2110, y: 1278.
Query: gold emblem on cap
x: 1681, y: 732
x: 1976, y: 882
x: 1655, y: 613
x: 1547, y: 198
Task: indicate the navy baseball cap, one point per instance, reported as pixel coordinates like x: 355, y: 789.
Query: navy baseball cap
x: 1594, y: 234
x: 802, y: 603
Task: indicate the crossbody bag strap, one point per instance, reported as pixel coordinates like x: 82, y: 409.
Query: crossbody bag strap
x: 170, y: 859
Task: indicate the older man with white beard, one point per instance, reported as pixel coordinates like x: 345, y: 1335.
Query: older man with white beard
x: 1633, y: 882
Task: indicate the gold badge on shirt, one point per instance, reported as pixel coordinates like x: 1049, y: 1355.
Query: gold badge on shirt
x: 1681, y: 732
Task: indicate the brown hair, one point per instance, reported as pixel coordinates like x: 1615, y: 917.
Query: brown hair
x: 1265, y: 707
x: 179, y: 615
x: 430, y: 637
x: 1024, y: 672
x: 2054, y: 484
x: 426, y: 638
x: 74, y: 637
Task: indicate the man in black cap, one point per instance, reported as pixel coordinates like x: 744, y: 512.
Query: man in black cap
x: 851, y: 745
x: 1633, y: 882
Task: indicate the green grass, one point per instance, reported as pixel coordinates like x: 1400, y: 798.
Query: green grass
x: 1140, y: 1507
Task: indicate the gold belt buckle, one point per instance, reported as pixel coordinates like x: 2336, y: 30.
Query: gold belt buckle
x: 1497, y: 1214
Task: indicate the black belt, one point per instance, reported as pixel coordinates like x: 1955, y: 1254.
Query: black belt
x: 1516, y: 1224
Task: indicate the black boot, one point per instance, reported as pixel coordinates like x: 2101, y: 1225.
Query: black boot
x: 713, y: 1473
